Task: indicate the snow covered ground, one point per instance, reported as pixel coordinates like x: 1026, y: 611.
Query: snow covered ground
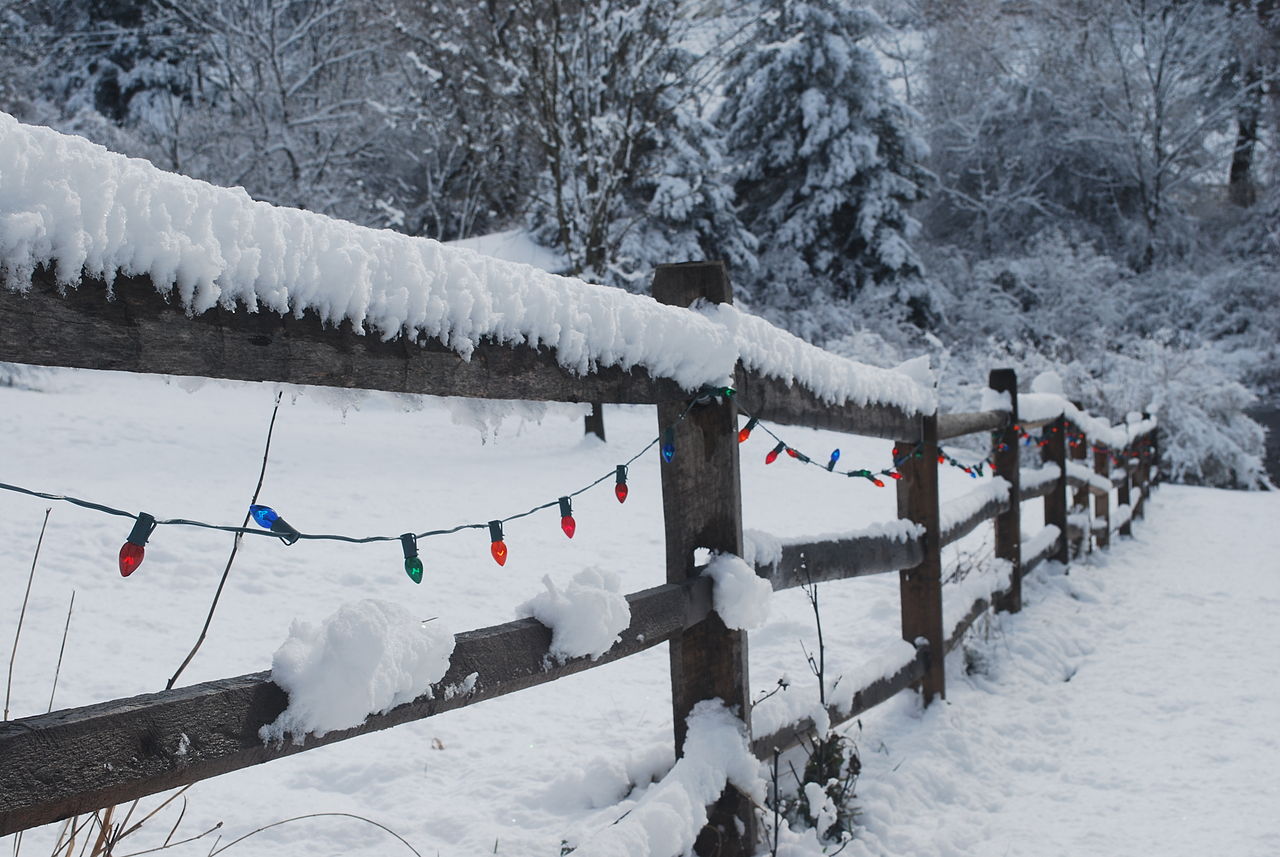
x: 1128, y: 710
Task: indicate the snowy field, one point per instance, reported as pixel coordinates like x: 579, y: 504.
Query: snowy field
x: 1129, y: 709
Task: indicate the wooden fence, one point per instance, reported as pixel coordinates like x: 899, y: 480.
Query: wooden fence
x: 75, y: 761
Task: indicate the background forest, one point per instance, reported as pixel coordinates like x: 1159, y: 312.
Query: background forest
x: 1092, y: 184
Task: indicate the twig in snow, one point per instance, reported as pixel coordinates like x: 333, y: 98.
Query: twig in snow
x: 383, y: 827
x: 235, y: 547
x: 58, y: 669
x: 23, y: 614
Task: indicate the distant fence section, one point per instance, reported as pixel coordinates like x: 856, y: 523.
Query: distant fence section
x: 75, y: 761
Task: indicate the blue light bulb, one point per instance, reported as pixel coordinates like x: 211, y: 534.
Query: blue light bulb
x: 264, y: 515
x: 668, y: 445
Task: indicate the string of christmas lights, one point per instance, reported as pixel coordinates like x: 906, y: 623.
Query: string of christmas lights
x: 133, y: 551
x: 873, y: 476
x: 270, y: 522
x: 1077, y: 439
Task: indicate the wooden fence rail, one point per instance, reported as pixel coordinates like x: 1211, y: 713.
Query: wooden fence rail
x: 75, y: 761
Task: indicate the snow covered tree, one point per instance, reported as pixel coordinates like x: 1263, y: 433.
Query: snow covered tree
x: 827, y: 163
x: 611, y: 97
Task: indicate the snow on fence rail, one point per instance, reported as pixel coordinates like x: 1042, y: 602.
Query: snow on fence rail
x: 80, y: 285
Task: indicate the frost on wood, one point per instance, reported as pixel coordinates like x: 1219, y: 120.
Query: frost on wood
x: 898, y: 530
x: 666, y: 819
x: 71, y: 204
x: 1087, y: 475
x: 1032, y: 478
x: 367, y: 658
x: 961, y: 509
x: 1041, y: 541
x: 844, y: 681
x: 585, y: 617
x: 741, y: 597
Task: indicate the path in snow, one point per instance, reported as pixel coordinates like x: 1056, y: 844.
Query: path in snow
x: 1131, y: 709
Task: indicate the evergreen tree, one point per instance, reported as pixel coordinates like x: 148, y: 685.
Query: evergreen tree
x: 827, y: 161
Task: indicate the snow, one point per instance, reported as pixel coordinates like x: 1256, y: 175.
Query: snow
x: 666, y: 819
x: 995, y: 401
x: 1041, y: 406
x: 1085, y: 474
x: 66, y: 201
x: 586, y: 617
x: 988, y: 577
x: 955, y: 512
x: 1164, y: 636
x: 740, y: 596
x: 1031, y: 478
x: 761, y: 549
x: 513, y: 245
x: 1038, y: 542
x: 366, y: 658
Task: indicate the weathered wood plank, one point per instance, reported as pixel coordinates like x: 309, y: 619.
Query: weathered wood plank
x: 880, y: 690
x: 960, y: 529
x: 841, y: 559
x: 1046, y: 552
x: 74, y: 761
x: 958, y: 425
x: 1044, y: 489
x: 702, y: 508
x: 981, y: 606
x: 138, y: 330
x: 775, y: 401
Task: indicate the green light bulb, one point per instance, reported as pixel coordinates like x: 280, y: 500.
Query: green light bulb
x: 413, y: 568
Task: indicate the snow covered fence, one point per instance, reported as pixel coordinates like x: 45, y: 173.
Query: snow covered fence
x: 109, y: 264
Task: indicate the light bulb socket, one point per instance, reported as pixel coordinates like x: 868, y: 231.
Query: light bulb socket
x: 409, y: 542
x: 495, y: 531
x: 142, y: 529
x: 566, y: 508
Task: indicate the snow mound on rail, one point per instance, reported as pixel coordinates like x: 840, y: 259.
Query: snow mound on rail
x: 367, y: 658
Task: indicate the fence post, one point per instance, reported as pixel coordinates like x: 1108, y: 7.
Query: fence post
x: 593, y: 423
x: 1055, y: 502
x: 1004, y: 452
x: 921, y: 587
x: 1155, y: 455
x: 1102, y: 502
x: 1142, y: 446
x: 702, y: 508
x: 1080, y: 497
x: 1122, y: 493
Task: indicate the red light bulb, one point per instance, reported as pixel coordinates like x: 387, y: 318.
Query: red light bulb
x: 879, y: 483
x: 497, y: 546
x: 131, y: 552
x: 773, y: 453
x: 743, y: 434
x: 791, y: 452
x: 130, y: 558
x: 895, y: 475
x: 942, y: 459
x: 566, y: 517
x: 620, y: 491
